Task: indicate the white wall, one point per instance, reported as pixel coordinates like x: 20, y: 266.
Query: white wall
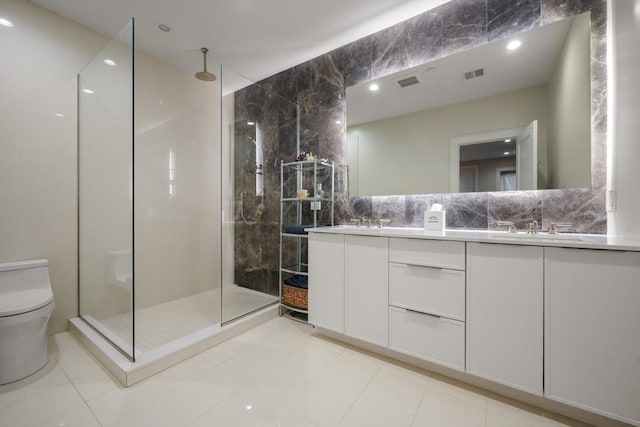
x: 569, y: 136
x: 178, y: 239
x: 624, y: 104
x: 410, y: 154
x: 41, y: 55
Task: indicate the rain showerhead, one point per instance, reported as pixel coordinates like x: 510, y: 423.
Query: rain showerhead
x: 205, y: 75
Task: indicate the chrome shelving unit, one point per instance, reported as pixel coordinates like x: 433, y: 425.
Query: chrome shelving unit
x: 298, y: 211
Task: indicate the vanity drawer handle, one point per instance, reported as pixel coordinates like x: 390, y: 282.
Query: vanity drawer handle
x: 423, y: 313
x: 440, y: 269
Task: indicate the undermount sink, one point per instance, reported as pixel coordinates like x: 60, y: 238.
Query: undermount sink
x: 545, y: 237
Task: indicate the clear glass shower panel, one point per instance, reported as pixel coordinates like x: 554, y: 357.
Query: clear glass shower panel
x: 177, y: 187
x: 105, y: 191
x: 257, y: 125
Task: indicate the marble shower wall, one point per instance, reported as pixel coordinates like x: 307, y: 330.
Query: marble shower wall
x: 257, y: 228
x: 318, y: 88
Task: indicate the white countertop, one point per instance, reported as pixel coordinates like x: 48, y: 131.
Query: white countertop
x: 563, y: 240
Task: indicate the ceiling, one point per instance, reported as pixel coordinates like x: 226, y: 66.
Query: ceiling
x: 254, y: 38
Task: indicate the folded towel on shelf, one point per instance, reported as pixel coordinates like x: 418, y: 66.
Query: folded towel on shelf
x: 297, y: 281
x: 299, y: 228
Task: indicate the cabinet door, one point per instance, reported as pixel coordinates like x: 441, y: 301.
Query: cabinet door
x: 366, y: 289
x: 326, y: 281
x: 505, y: 314
x: 592, y: 330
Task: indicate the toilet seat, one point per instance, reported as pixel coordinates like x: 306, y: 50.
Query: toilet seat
x: 29, y: 316
x: 25, y: 301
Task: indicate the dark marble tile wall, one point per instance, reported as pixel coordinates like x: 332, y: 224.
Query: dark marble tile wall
x: 257, y: 217
x: 318, y: 88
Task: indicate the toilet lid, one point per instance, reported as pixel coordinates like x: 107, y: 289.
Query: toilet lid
x: 25, y: 301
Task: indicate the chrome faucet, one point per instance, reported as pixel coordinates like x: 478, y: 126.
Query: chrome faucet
x: 510, y: 224
x: 553, y: 227
x: 533, y: 227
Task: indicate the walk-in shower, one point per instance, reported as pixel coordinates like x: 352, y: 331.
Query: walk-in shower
x: 156, y: 244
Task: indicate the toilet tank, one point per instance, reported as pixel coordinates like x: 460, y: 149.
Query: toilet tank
x: 20, y: 276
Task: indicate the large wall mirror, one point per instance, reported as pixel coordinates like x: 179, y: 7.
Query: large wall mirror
x: 509, y: 115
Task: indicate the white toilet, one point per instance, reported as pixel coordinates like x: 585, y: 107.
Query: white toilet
x: 26, y: 303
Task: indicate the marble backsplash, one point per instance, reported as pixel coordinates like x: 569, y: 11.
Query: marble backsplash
x: 318, y: 89
x: 482, y: 211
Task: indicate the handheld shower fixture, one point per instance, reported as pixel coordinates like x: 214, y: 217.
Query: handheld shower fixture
x: 259, y: 209
x: 205, y: 75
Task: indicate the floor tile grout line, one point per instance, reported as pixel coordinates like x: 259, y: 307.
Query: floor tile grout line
x: 415, y: 414
x: 313, y: 377
x: 359, y: 394
x: 17, y: 402
x: 279, y: 405
x: 307, y: 381
x: 84, y: 401
x: 29, y: 396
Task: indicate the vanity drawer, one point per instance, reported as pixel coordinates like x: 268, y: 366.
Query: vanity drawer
x: 430, y: 290
x: 433, y: 253
x: 427, y: 337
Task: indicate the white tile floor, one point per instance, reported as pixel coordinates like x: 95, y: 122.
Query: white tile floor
x: 279, y: 374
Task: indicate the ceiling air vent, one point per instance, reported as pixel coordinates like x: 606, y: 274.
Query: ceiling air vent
x: 409, y: 81
x: 474, y: 73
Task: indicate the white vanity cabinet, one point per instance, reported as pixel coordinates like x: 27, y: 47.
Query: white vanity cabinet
x: 366, y: 290
x: 505, y: 314
x: 592, y: 330
x: 515, y: 314
x: 326, y: 281
x: 427, y: 300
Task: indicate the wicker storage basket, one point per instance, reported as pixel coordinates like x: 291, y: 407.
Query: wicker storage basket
x: 295, y: 297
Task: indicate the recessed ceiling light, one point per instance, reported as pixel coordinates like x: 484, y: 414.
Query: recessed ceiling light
x: 6, y: 22
x: 338, y: 122
x: 164, y: 27
x: 59, y: 115
x: 514, y: 44
x: 251, y: 123
x: 507, y: 140
x: 110, y: 62
x: 506, y: 153
x: 373, y: 87
x: 89, y: 91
